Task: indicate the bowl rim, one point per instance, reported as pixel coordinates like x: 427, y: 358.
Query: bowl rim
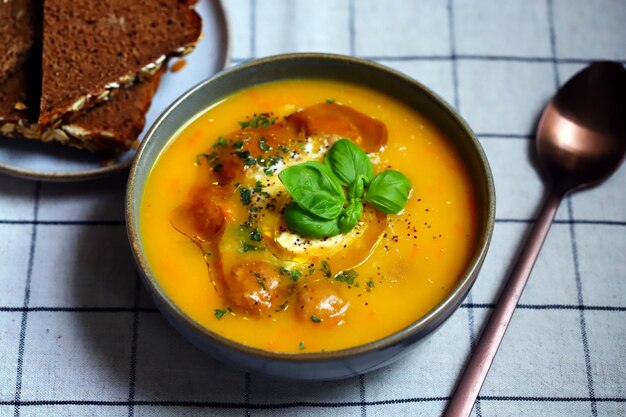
x: 431, y: 319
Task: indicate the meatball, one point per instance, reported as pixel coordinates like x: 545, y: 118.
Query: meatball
x: 252, y: 287
x: 208, y: 219
x: 367, y: 132
x: 230, y: 170
x: 318, y: 301
x: 200, y: 219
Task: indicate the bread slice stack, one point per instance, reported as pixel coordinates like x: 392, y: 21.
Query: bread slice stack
x: 19, y: 20
x: 83, y: 72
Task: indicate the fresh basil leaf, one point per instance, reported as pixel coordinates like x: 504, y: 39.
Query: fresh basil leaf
x: 351, y: 215
x: 322, y: 204
x: 308, y: 225
x: 348, y: 161
x: 357, y: 188
x: 388, y: 192
x: 314, y: 187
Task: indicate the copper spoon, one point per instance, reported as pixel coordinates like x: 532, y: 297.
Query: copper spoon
x: 581, y: 141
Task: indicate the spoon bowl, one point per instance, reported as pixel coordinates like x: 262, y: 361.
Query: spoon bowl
x: 581, y: 141
x: 581, y: 138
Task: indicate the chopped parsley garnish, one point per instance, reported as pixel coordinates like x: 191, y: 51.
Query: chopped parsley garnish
x: 258, y: 187
x: 258, y: 120
x: 255, y: 235
x: 283, y: 149
x: 242, y: 154
x: 315, y: 319
x: 249, y: 247
x: 206, y: 156
x: 221, y: 142
x: 371, y: 283
x: 326, y: 269
x: 295, y: 275
x: 259, y: 160
x: 347, y: 276
x: 263, y: 144
x: 245, y: 194
x: 330, y: 100
x: 273, y: 161
x: 219, y: 313
x: 260, y: 282
x: 245, y: 157
x: 238, y: 144
x: 262, y: 120
x: 301, y: 346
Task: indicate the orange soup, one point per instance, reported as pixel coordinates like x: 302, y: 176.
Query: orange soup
x: 231, y: 241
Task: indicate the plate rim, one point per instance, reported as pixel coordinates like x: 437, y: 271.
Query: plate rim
x: 108, y: 170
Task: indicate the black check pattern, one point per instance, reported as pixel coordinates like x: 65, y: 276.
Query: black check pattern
x: 163, y: 375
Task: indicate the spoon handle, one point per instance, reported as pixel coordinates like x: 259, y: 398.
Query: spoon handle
x: 472, y: 380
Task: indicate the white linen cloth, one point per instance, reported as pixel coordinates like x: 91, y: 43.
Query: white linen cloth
x: 79, y: 336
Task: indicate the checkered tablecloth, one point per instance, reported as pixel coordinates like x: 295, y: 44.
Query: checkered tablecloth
x: 80, y: 337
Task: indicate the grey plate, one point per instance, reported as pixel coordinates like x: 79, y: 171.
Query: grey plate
x: 53, y: 162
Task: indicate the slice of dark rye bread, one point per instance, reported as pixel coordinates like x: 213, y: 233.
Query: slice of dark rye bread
x: 92, y: 47
x: 17, y: 33
x: 109, y: 128
x: 20, y: 21
x: 112, y: 126
x: 17, y: 101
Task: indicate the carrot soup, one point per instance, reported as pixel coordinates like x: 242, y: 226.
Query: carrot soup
x: 308, y: 215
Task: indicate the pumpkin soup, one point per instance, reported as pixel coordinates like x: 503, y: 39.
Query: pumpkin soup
x: 308, y: 215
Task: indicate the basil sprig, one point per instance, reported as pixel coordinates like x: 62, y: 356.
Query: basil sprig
x: 388, y: 191
x: 348, y: 161
x: 309, y: 225
x: 320, y: 207
x: 314, y: 188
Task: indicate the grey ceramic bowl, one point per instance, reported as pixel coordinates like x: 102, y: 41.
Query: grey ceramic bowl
x: 323, y: 365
